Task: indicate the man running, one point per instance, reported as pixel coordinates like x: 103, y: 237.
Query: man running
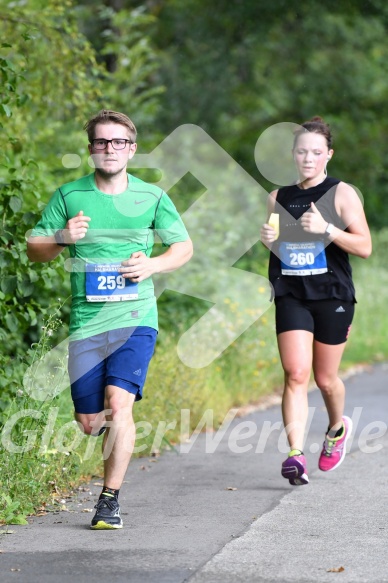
x: 108, y: 219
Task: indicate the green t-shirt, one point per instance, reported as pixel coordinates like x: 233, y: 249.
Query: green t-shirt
x: 120, y: 225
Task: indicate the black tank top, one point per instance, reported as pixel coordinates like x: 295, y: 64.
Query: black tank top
x: 331, y: 276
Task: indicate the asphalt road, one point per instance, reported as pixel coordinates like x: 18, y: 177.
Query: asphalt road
x: 221, y: 512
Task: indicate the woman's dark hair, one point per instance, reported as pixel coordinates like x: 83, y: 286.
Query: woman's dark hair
x: 315, y: 125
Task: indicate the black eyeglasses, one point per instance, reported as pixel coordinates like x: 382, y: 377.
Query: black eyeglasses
x: 117, y: 143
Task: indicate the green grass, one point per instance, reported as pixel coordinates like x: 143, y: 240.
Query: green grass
x: 368, y: 341
x: 57, y: 461
x: 38, y: 466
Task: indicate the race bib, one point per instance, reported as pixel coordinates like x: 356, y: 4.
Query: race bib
x: 104, y: 283
x: 303, y: 258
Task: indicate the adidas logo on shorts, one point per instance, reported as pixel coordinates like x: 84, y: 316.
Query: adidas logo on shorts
x: 137, y: 372
x: 340, y: 309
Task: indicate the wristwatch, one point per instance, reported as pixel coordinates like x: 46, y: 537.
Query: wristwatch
x: 59, y: 238
x: 329, y: 228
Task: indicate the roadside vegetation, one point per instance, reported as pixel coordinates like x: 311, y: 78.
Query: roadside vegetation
x: 44, y: 457
x: 168, y: 63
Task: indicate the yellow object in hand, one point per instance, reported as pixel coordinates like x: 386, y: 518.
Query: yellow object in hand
x: 273, y: 222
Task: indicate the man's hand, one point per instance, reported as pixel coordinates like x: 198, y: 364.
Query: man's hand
x: 138, y: 267
x: 47, y: 248
x: 313, y: 222
x: 76, y: 228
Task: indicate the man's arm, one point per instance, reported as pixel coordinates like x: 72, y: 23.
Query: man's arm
x: 44, y: 249
x: 140, y: 267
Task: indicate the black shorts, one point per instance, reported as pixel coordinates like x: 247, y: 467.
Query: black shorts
x: 329, y: 320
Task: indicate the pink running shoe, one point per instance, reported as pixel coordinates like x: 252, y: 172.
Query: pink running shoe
x: 294, y: 469
x: 334, y: 449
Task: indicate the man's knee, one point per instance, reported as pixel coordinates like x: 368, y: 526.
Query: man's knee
x: 119, y: 402
x: 92, y: 424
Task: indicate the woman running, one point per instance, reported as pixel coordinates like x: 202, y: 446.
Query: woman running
x: 321, y: 221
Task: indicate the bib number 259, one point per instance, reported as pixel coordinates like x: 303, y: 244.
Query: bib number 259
x: 105, y: 283
x: 111, y: 282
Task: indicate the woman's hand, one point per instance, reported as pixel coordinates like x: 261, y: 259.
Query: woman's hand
x: 267, y: 234
x: 313, y: 222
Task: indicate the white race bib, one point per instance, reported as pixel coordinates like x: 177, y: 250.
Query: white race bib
x: 303, y: 258
x: 104, y: 283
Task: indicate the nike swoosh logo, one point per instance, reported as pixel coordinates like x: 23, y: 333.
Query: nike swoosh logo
x: 140, y: 201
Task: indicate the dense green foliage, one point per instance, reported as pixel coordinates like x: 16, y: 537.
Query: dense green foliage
x: 39, y: 47
x: 233, y: 68
x: 51, y: 83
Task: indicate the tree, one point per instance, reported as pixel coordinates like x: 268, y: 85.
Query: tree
x: 53, y: 80
x: 235, y: 68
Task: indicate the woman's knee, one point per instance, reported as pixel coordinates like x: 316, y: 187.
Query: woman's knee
x: 326, y: 383
x: 297, y: 376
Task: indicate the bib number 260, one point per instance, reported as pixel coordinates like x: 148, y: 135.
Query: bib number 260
x: 303, y: 258
x: 299, y: 259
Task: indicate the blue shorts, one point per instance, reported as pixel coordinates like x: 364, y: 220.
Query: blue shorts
x: 117, y: 357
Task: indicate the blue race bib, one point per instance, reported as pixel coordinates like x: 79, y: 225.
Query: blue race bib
x: 303, y: 258
x: 104, y: 283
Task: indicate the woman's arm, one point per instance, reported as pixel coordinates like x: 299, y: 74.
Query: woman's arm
x: 356, y: 239
x: 268, y: 234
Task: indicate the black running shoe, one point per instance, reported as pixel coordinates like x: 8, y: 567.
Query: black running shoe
x: 107, y: 515
x: 99, y: 432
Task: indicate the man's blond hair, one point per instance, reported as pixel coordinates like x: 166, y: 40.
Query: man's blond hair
x: 106, y: 116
